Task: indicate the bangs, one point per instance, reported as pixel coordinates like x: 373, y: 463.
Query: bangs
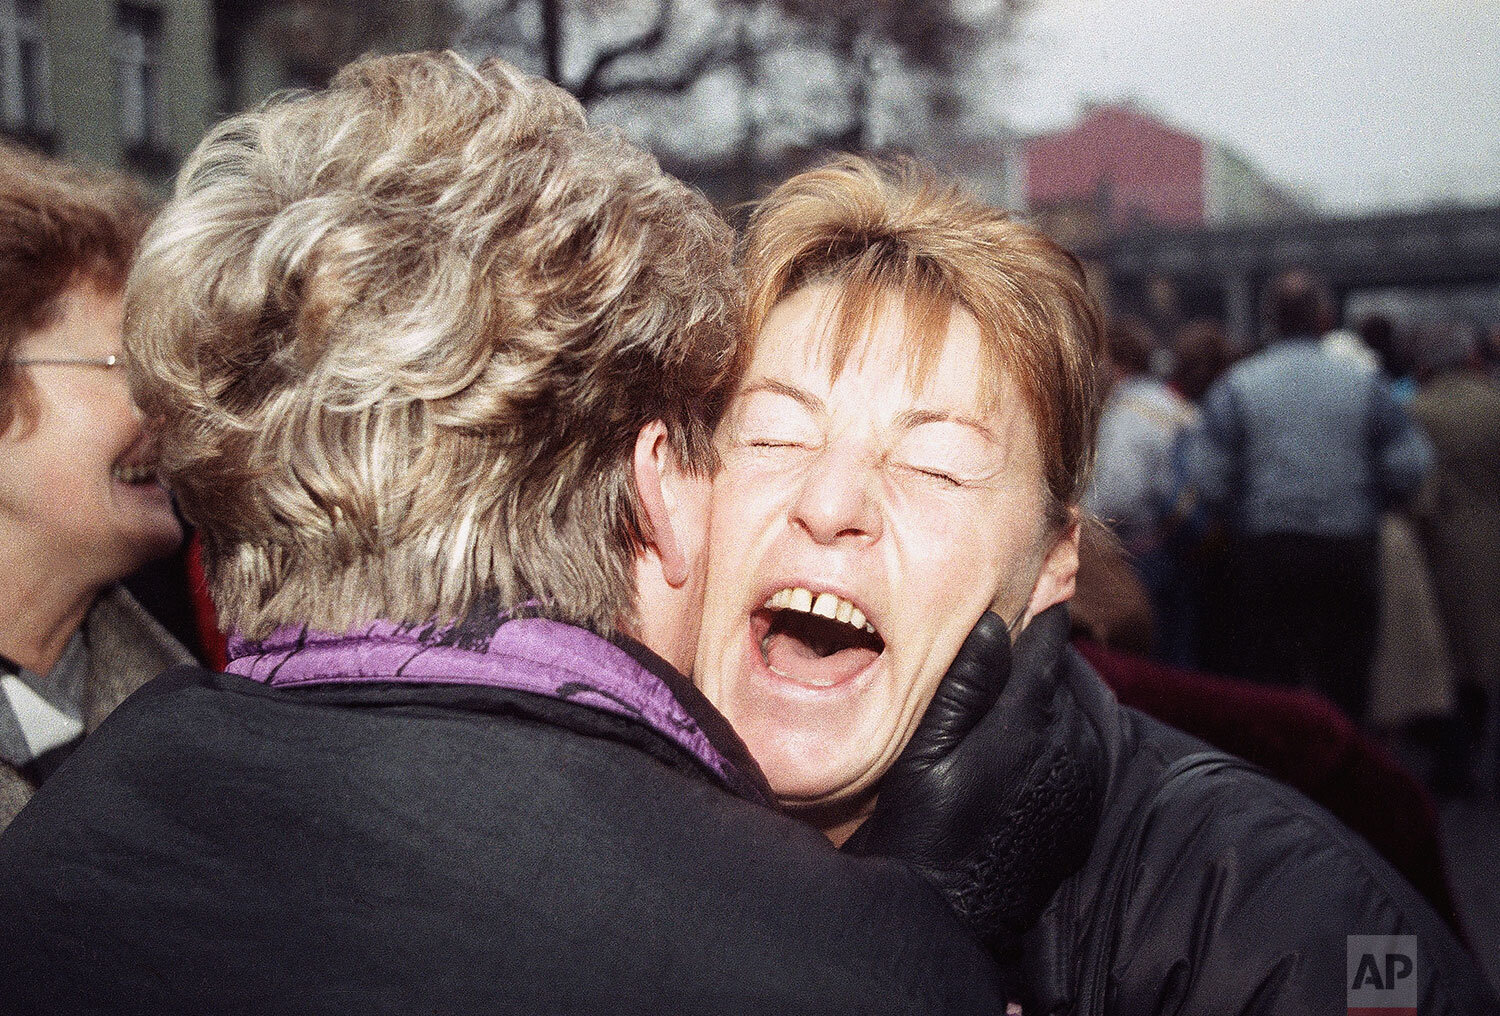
x: 885, y: 278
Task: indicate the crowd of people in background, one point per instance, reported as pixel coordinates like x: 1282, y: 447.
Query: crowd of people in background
x: 1318, y: 510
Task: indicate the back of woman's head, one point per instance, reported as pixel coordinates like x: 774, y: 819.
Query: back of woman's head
x: 60, y: 226
x: 1128, y: 344
x: 401, y: 335
x: 1200, y: 353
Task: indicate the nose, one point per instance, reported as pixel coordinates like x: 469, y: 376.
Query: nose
x: 836, y: 502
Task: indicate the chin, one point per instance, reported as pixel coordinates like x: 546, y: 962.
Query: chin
x: 801, y: 777
x: 811, y: 743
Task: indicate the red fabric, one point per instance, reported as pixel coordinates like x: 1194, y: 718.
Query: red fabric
x: 215, y: 644
x: 1305, y: 741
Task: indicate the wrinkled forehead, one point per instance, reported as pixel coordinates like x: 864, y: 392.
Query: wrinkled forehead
x: 927, y: 339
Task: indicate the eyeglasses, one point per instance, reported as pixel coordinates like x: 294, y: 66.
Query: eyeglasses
x: 105, y: 362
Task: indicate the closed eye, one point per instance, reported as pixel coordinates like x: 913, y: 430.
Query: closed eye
x: 936, y: 474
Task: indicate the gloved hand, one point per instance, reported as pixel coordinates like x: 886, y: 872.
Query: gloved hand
x: 996, y: 798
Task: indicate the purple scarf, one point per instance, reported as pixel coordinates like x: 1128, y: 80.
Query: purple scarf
x: 535, y: 655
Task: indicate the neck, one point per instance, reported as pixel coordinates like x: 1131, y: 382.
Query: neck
x: 39, y: 609
x: 667, y: 624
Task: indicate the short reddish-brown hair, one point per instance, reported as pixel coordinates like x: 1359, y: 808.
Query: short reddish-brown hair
x: 878, y: 230
x: 59, y: 225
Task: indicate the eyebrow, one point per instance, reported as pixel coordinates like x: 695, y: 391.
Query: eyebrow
x: 917, y: 417
x: 908, y: 420
x: 807, y: 399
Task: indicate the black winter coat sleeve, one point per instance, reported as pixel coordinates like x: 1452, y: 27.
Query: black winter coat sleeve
x: 1251, y: 908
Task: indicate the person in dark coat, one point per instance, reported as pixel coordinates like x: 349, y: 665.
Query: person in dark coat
x: 1206, y: 886
x: 901, y: 471
x: 437, y: 367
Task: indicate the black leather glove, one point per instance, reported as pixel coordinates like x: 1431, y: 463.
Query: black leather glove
x: 996, y: 797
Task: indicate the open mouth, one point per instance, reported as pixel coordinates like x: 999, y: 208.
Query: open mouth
x: 134, y: 474
x: 137, y: 466
x: 816, y: 639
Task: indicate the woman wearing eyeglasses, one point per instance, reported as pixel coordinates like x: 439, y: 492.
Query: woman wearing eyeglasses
x: 80, y: 507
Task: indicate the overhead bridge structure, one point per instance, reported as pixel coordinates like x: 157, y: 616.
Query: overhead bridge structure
x: 1222, y: 270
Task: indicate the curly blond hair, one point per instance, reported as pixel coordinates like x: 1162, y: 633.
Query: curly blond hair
x: 401, y: 335
x: 881, y: 229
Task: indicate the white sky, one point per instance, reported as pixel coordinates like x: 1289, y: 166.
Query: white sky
x: 1358, y: 106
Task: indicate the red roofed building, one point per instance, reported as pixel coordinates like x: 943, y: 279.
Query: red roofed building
x: 1129, y: 168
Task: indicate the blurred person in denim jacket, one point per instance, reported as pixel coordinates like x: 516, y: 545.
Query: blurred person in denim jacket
x: 1300, y: 451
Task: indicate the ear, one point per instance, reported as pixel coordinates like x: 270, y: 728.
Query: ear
x: 1058, y: 579
x: 656, y: 471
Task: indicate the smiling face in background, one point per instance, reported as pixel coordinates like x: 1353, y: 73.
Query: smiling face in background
x: 78, y: 486
x: 902, y: 510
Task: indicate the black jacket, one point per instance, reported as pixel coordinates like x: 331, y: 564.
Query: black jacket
x: 220, y: 846
x: 1211, y: 888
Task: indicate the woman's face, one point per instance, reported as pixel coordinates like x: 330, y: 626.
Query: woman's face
x: 79, y: 488
x: 904, y: 513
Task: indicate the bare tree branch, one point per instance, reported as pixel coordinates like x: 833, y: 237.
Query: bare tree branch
x: 552, y: 42
x: 713, y: 56
x: 853, y: 50
x: 591, y: 87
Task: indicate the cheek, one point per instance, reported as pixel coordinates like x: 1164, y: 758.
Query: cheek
x: 940, y: 554
x: 951, y: 566
x: 66, y: 453
x: 735, y: 521
x: 92, y: 426
x: 742, y: 511
x: 71, y: 455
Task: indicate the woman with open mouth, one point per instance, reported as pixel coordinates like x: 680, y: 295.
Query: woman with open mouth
x: 901, y: 469
x: 884, y: 479
x: 80, y: 505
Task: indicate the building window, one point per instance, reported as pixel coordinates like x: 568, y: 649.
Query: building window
x: 25, y: 74
x: 137, y: 61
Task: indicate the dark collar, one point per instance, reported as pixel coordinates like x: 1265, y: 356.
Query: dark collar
x: 712, y: 722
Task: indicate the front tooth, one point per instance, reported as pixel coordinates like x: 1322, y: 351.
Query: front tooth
x: 845, y: 609
x: 826, y: 605
x: 857, y: 617
x: 801, y: 600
